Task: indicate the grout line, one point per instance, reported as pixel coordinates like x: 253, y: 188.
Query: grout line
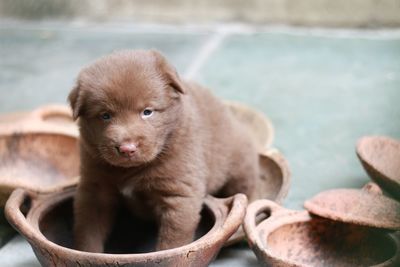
x: 205, y: 52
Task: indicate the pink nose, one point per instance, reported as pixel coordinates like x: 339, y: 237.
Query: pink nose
x: 127, y: 149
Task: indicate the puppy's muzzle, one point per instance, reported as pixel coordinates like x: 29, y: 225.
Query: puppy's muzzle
x: 127, y: 149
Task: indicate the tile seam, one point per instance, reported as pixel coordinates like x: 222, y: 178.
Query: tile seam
x: 210, y: 46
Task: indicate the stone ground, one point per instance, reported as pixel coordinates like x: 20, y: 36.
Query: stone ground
x: 322, y: 89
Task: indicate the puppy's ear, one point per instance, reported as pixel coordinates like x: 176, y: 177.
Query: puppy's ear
x: 169, y: 72
x: 174, y: 80
x: 75, y: 100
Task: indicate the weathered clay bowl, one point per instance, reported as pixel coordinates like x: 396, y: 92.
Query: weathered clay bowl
x: 296, y: 238
x: 53, y: 118
x: 46, y: 222
x: 259, y: 125
x: 38, y: 151
x: 380, y: 157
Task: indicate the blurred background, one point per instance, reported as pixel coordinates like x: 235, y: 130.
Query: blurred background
x: 325, y: 72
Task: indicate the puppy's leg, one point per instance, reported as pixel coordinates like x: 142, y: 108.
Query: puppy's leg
x: 178, y: 222
x: 94, y: 211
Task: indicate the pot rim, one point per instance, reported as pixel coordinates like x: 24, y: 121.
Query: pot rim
x: 35, y: 122
x: 231, y: 210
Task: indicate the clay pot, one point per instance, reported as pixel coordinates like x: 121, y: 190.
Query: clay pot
x: 380, y: 157
x: 46, y: 222
x: 38, y: 151
x: 258, y: 124
x: 45, y: 119
x: 296, y: 238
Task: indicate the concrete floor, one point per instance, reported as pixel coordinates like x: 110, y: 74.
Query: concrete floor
x: 323, y: 89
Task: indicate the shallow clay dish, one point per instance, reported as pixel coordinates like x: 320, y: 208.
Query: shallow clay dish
x: 46, y: 222
x: 289, y: 238
x: 259, y: 125
x: 38, y: 151
x: 380, y: 157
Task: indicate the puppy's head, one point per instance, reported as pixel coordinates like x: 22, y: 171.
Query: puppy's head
x: 128, y: 104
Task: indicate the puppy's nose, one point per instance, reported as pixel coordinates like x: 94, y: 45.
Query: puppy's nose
x: 127, y: 149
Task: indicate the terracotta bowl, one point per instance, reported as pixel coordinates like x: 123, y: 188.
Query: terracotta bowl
x: 51, y: 118
x: 46, y: 222
x: 380, y: 157
x: 297, y: 238
x: 259, y: 125
x: 38, y: 151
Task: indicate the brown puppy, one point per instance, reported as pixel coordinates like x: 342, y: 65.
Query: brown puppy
x: 159, y: 142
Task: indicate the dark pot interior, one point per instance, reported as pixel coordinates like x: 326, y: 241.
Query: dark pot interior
x: 321, y: 242
x: 129, y: 234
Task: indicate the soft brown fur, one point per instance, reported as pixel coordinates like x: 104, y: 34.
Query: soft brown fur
x: 191, y: 146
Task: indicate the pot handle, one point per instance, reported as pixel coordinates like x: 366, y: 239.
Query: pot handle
x: 41, y: 113
x: 372, y: 188
x: 268, y: 207
x: 232, y: 210
x: 237, y: 210
x: 14, y: 214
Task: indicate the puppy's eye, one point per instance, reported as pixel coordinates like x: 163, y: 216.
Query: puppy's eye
x: 147, y: 113
x: 105, y: 116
